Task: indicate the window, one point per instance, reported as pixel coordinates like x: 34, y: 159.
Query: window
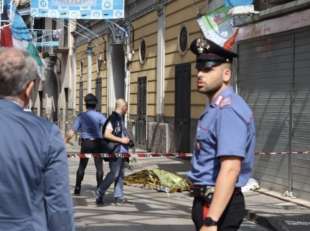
x: 81, y: 97
x: 99, y: 62
x: 81, y: 70
x: 99, y: 93
x: 183, y: 39
x: 58, y: 66
x: 142, y: 51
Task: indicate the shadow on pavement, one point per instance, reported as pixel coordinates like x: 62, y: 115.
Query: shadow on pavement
x: 138, y: 227
x: 278, y: 222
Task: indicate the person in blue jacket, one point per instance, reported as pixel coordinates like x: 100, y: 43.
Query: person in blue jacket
x: 34, y: 185
x: 225, y: 140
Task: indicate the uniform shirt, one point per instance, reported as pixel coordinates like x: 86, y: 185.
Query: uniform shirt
x: 34, y: 185
x: 226, y: 128
x: 89, y: 124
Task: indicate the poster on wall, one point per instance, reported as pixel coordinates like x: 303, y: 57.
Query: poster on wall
x: 217, y: 26
x: 78, y: 9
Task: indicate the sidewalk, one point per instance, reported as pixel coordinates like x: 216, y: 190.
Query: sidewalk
x: 277, y: 213
x: 273, y: 212
x: 147, y: 209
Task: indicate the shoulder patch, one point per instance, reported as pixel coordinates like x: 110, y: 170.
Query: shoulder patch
x: 225, y: 102
x: 222, y: 101
x: 219, y: 100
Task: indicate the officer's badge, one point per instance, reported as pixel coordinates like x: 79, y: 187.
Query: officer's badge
x: 202, y: 45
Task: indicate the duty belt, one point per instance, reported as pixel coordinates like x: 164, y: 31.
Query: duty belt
x: 89, y: 139
x: 207, y: 191
x: 201, y: 191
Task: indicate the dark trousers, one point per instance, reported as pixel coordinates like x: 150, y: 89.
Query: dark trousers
x: 230, y: 220
x: 89, y: 146
x: 81, y: 171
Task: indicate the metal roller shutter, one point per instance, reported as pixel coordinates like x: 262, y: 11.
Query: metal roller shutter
x: 264, y: 80
x: 301, y: 114
x: 274, y: 78
x: 301, y: 105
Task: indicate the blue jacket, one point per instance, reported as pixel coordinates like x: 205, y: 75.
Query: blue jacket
x: 226, y: 128
x: 34, y: 185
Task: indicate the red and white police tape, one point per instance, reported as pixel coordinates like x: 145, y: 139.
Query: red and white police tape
x: 167, y: 155
x: 282, y: 153
x: 131, y: 155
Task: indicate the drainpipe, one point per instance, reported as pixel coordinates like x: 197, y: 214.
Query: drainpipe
x: 89, y: 67
x: 160, y: 84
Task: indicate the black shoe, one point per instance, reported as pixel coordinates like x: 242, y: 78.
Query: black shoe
x: 99, y: 200
x: 77, y: 190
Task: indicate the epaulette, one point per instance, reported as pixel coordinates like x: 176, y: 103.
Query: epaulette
x: 223, y: 102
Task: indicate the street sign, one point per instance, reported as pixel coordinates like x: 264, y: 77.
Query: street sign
x: 78, y: 9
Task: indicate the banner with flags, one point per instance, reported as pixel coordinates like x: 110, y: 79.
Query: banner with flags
x: 18, y: 35
x: 6, y: 36
x: 81, y: 9
x: 19, y: 28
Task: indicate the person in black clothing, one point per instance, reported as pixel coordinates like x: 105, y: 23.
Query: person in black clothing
x: 115, y: 131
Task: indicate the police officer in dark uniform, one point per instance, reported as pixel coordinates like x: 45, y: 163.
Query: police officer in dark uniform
x: 88, y: 124
x: 225, y: 140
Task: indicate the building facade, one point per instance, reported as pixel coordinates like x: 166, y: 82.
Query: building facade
x: 145, y: 59
x: 152, y: 69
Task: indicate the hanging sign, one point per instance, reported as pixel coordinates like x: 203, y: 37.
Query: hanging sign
x: 217, y: 26
x: 78, y: 9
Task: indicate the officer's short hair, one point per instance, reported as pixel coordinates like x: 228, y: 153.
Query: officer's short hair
x: 17, y: 68
x: 90, y: 100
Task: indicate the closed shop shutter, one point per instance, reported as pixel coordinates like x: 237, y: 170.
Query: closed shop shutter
x: 301, y: 108
x: 271, y: 69
x: 301, y: 115
x: 264, y: 80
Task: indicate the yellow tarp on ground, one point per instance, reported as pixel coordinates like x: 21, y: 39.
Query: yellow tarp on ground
x: 158, y: 179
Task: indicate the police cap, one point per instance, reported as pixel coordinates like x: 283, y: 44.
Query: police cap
x: 90, y: 99
x: 209, y: 54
